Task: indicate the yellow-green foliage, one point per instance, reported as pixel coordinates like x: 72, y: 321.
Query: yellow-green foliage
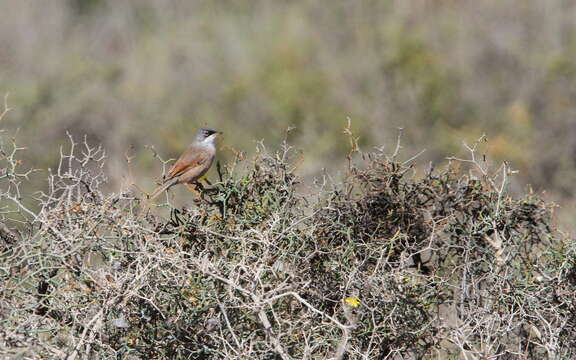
x: 135, y: 73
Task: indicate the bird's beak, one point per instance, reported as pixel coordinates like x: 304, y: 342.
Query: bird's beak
x: 218, y: 133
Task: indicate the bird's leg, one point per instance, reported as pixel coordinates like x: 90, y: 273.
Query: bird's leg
x: 192, y: 190
x: 203, y: 192
x: 212, y: 187
x: 199, y: 186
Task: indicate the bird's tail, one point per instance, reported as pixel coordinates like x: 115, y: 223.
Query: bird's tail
x: 157, y: 192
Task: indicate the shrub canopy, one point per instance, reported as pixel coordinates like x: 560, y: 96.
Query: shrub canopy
x: 386, y: 264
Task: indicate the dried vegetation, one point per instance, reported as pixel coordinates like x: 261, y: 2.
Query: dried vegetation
x: 388, y: 264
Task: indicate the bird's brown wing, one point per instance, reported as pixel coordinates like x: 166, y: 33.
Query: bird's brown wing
x: 190, y: 158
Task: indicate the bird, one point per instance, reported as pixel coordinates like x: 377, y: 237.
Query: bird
x: 194, y: 162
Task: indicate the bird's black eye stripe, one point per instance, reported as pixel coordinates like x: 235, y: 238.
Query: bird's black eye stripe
x: 206, y: 132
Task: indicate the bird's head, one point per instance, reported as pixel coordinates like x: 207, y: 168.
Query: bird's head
x: 207, y: 135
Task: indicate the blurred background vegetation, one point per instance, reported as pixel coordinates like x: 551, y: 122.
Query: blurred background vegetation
x: 147, y: 72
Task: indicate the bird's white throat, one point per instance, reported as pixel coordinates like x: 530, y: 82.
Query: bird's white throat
x: 210, y: 140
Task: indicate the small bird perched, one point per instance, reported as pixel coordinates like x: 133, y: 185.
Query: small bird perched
x: 193, y: 163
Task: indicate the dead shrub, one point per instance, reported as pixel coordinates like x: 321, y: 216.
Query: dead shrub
x: 386, y: 265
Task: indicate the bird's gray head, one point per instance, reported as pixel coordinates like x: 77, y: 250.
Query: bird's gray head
x: 207, y: 135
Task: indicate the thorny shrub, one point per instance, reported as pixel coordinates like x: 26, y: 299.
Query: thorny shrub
x: 385, y: 265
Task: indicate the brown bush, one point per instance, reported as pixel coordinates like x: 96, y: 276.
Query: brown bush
x: 386, y: 265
